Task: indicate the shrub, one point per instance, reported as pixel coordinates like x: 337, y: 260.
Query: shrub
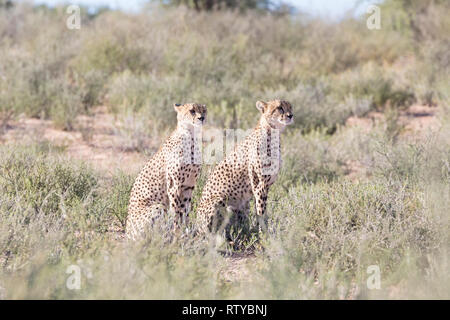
x: 118, y: 195
x: 40, y: 183
x: 316, y: 106
x: 372, y: 81
x: 323, y: 235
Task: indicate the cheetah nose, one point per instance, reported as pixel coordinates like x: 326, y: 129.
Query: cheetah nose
x: 290, y: 116
x: 201, y: 118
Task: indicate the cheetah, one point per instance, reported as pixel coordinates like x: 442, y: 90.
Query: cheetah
x: 249, y: 170
x: 167, y: 180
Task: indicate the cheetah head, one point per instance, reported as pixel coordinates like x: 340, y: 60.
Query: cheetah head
x: 190, y: 114
x: 276, y: 113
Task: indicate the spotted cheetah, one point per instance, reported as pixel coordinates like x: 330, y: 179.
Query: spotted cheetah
x: 167, y: 180
x: 249, y: 170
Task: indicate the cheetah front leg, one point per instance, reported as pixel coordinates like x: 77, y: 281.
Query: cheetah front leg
x: 140, y: 220
x: 260, y: 191
x: 174, y: 194
x: 205, y: 215
x: 186, y: 195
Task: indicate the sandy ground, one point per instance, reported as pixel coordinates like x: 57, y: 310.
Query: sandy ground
x: 98, y: 141
x: 416, y: 120
x: 415, y: 123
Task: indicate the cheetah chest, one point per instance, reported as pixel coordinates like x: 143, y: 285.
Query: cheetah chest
x: 189, y: 174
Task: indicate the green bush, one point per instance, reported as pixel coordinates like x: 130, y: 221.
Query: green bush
x: 118, y: 195
x: 42, y: 184
x: 321, y: 234
x: 313, y: 159
x: 137, y: 63
x: 315, y: 106
x: 374, y: 82
x: 329, y: 233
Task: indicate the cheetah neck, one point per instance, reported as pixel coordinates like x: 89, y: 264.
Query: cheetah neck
x: 265, y: 125
x: 186, y: 128
x: 272, y: 134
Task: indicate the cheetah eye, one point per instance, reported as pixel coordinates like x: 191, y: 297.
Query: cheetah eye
x: 193, y: 112
x: 281, y: 110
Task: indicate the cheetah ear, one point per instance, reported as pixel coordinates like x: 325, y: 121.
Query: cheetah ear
x: 176, y: 106
x: 261, y: 106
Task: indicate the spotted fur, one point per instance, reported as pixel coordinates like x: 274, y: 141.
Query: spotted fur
x: 249, y: 170
x: 166, y: 182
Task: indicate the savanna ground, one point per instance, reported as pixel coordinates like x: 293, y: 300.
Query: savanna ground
x: 366, y: 166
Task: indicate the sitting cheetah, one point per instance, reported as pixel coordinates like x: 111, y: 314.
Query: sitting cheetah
x: 168, y: 179
x: 249, y: 170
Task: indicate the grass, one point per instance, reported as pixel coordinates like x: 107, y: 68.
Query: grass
x: 322, y: 236
x: 325, y: 227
